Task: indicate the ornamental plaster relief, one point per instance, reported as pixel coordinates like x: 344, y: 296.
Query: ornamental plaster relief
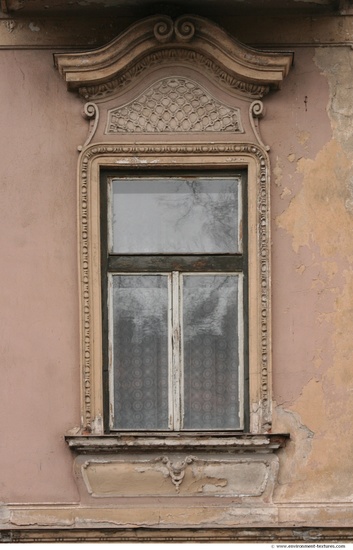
x: 189, y: 41
x: 183, y: 156
x: 249, y: 477
x: 172, y: 77
x: 174, y: 104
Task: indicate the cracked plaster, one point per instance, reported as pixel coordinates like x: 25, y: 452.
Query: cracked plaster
x: 316, y: 222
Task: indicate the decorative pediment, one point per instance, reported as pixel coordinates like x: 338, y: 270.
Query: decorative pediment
x: 158, y: 41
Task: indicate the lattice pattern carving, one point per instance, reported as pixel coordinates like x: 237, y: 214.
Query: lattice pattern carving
x: 174, y: 105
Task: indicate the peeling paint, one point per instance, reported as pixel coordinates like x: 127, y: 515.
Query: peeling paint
x: 318, y: 212
x: 303, y: 137
x: 33, y: 27
x: 319, y: 225
x: 4, y: 514
x: 278, y: 172
x: 313, y: 290
x: 285, y: 193
x: 293, y: 462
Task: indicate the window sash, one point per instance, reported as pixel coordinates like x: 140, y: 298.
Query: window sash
x: 166, y: 263
x: 175, y: 362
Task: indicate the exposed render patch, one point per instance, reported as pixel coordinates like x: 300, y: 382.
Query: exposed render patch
x: 33, y: 27
x: 318, y: 212
x: 315, y: 466
x: 337, y: 66
x: 293, y: 467
x: 278, y: 172
x: 4, y: 514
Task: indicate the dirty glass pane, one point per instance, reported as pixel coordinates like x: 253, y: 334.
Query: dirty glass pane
x: 175, y: 215
x: 211, y: 351
x: 140, y: 351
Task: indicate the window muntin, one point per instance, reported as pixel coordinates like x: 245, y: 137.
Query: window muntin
x: 195, y: 381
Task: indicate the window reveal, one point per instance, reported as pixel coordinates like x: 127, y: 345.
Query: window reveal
x: 176, y: 273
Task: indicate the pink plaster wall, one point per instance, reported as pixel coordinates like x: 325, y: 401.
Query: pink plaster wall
x: 39, y: 337
x: 309, y: 129
x: 297, y: 126
x: 312, y: 284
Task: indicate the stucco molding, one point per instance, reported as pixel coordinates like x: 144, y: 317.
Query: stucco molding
x: 91, y: 113
x: 174, y: 104
x: 176, y: 469
x: 243, y: 442
x: 310, y: 533
x: 256, y: 111
x: 183, y: 156
x: 189, y: 41
x: 249, y: 477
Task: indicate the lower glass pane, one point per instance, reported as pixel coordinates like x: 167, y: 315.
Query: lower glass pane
x: 140, y: 351
x: 212, y: 355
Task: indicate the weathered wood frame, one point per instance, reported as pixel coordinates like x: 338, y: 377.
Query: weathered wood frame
x: 175, y: 266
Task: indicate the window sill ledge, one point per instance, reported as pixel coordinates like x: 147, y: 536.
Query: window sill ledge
x: 240, y: 443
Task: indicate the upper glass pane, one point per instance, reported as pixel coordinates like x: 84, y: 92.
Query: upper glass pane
x: 175, y: 215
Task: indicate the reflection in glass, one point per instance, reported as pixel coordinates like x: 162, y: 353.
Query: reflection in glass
x: 175, y: 215
x: 211, y: 351
x: 140, y: 351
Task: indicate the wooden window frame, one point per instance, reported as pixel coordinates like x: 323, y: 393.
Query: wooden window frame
x: 173, y: 263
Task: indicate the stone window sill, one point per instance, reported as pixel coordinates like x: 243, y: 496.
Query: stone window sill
x: 132, y: 442
x: 156, y: 465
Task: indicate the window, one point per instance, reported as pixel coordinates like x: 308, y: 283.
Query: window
x: 174, y: 277
x: 203, y: 92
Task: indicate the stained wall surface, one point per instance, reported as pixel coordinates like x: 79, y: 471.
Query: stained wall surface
x: 312, y: 273
x: 308, y: 127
